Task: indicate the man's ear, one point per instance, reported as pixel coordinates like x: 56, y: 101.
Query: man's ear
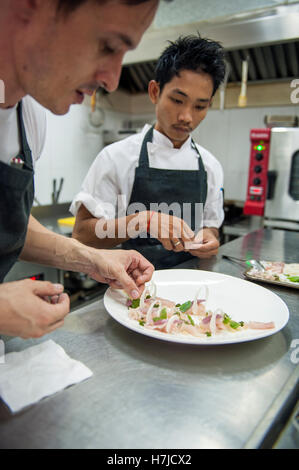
x: 154, y: 91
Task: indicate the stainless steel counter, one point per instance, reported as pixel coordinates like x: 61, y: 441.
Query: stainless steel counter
x: 147, y: 393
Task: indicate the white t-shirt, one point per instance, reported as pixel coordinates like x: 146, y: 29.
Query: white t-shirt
x: 34, y: 117
x: 110, y: 178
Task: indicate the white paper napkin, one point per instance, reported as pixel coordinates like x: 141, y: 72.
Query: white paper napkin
x: 37, y: 372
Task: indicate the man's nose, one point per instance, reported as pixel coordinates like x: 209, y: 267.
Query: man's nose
x: 109, y: 76
x: 185, y: 115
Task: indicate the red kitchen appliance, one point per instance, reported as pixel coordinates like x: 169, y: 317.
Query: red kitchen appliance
x: 258, y: 172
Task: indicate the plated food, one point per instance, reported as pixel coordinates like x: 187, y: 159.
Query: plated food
x: 191, y: 317
x: 237, y: 303
x: 276, y: 273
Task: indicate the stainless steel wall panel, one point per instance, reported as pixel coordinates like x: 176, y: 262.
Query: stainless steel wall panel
x: 284, y: 144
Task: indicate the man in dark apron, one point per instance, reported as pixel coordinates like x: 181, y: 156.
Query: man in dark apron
x: 36, y: 44
x: 187, y: 76
x: 170, y: 186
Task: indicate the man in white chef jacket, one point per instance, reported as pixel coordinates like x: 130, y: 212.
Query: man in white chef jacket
x: 147, y: 190
x: 55, y: 51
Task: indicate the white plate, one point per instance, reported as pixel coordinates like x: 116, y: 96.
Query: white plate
x: 241, y: 300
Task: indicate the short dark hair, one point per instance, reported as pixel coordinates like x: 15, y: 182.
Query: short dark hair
x: 67, y: 6
x: 191, y: 53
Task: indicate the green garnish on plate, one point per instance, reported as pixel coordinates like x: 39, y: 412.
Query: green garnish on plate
x: 163, y: 315
x: 184, y: 307
x: 135, y: 303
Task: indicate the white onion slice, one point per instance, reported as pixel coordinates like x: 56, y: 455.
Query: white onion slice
x: 170, y: 323
x: 195, y: 306
x: 151, y: 290
x: 213, y: 327
x: 142, y: 298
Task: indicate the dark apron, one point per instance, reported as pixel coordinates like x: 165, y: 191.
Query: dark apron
x: 154, y: 186
x: 16, y: 199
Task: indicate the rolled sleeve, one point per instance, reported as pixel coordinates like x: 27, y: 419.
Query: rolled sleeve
x: 213, y: 211
x: 97, y: 208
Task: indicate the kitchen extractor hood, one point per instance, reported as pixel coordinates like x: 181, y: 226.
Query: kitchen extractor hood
x: 269, y: 39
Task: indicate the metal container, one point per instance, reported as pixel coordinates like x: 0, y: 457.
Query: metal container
x: 283, y: 202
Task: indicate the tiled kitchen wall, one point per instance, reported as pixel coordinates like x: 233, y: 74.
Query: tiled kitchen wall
x: 72, y: 144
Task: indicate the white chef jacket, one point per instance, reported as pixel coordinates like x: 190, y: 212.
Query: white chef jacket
x: 111, y: 177
x: 34, y: 118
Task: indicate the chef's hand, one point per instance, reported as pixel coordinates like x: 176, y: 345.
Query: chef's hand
x: 121, y: 269
x: 171, y: 231
x: 205, y: 243
x: 24, y: 311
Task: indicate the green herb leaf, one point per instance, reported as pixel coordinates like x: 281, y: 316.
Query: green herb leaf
x: 191, y: 320
x: 148, y: 296
x: 178, y: 305
x: 226, y: 319
x: 135, y: 303
x: 208, y: 333
x: 163, y: 314
x: 293, y: 278
x: 234, y: 324
x: 141, y: 322
x: 184, y: 307
x: 156, y: 306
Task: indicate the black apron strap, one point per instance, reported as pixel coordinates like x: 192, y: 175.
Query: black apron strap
x: 17, y: 193
x: 203, y: 189
x: 143, y: 156
x: 25, y: 149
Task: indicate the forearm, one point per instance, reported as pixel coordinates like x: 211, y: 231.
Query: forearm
x: 85, y: 232
x: 121, y: 269
x: 102, y: 233
x: 45, y: 247
x: 212, y: 230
